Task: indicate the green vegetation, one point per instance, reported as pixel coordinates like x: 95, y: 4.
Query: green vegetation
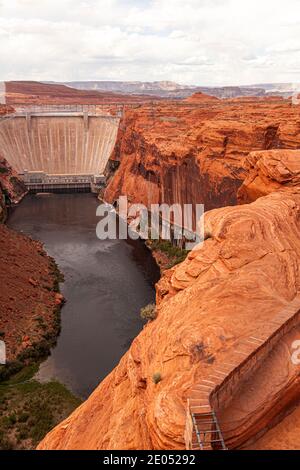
x: 37, y: 352
x: 3, y: 170
x: 29, y: 409
x: 58, y: 276
x: 14, y: 180
x: 157, y: 377
x: 175, y: 254
x: 149, y: 313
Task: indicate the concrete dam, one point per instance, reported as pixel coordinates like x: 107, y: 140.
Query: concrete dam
x: 58, y: 148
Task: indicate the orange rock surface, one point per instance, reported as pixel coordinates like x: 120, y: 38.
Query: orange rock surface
x: 10, y: 184
x: 200, y: 98
x: 247, y: 271
x: 284, y: 436
x: 268, y: 172
x: 193, y: 151
x: 11, y: 188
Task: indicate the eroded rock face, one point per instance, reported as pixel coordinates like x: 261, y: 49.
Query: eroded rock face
x: 244, y: 274
x: 269, y: 171
x: 11, y: 188
x: 194, y: 151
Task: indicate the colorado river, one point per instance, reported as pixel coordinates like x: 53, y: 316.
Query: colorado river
x: 106, y: 284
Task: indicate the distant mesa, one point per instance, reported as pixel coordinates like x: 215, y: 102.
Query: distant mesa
x: 200, y: 97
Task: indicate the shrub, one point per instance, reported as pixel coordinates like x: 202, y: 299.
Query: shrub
x: 156, y: 377
x: 149, y: 313
x: 175, y: 254
x: 12, y: 418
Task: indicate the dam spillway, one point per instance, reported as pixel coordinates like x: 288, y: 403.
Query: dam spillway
x: 58, y: 143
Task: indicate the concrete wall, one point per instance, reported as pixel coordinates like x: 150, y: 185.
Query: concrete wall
x: 58, y: 144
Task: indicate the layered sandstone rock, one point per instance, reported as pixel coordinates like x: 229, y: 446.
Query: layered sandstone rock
x: 284, y: 436
x: 4, y: 109
x: 193, y: 152
x: 200, y: 98
x: 12, y: 189
x: 269, y: 171
x: 246, y: 272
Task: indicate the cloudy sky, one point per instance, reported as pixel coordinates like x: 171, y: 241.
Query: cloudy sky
x: 204, y: 42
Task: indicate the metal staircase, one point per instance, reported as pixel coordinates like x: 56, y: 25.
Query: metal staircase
x: 207, y: 434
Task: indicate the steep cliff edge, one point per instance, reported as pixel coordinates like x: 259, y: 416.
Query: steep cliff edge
x: 193, y: 152
x: 247, y: 271
x: 11, y: 188
x: 268, y: 172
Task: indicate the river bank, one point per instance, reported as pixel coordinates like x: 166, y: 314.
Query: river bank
x: 30, y: 313
x: 30, y: 409
x: 30, y: 301
x: 107, y: 282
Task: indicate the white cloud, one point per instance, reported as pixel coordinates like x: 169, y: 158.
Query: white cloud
x: 209, y: 42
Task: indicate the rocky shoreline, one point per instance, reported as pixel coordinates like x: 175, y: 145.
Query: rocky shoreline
x: 30, y: 303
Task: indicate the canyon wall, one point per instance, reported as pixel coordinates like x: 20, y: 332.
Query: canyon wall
x: 246, y: 272
x: 194, y: 151
x: 269, y: 172
x: 11, y: 188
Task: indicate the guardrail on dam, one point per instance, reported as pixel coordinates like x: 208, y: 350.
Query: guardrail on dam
x: 59, y: 141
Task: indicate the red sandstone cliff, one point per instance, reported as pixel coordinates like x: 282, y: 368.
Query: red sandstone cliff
x: 269, y: 172
x: 200, y: 98
x: 193, y: 152
x: 11, y: 188
x: 247, y: 271
x: 10, y: 184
